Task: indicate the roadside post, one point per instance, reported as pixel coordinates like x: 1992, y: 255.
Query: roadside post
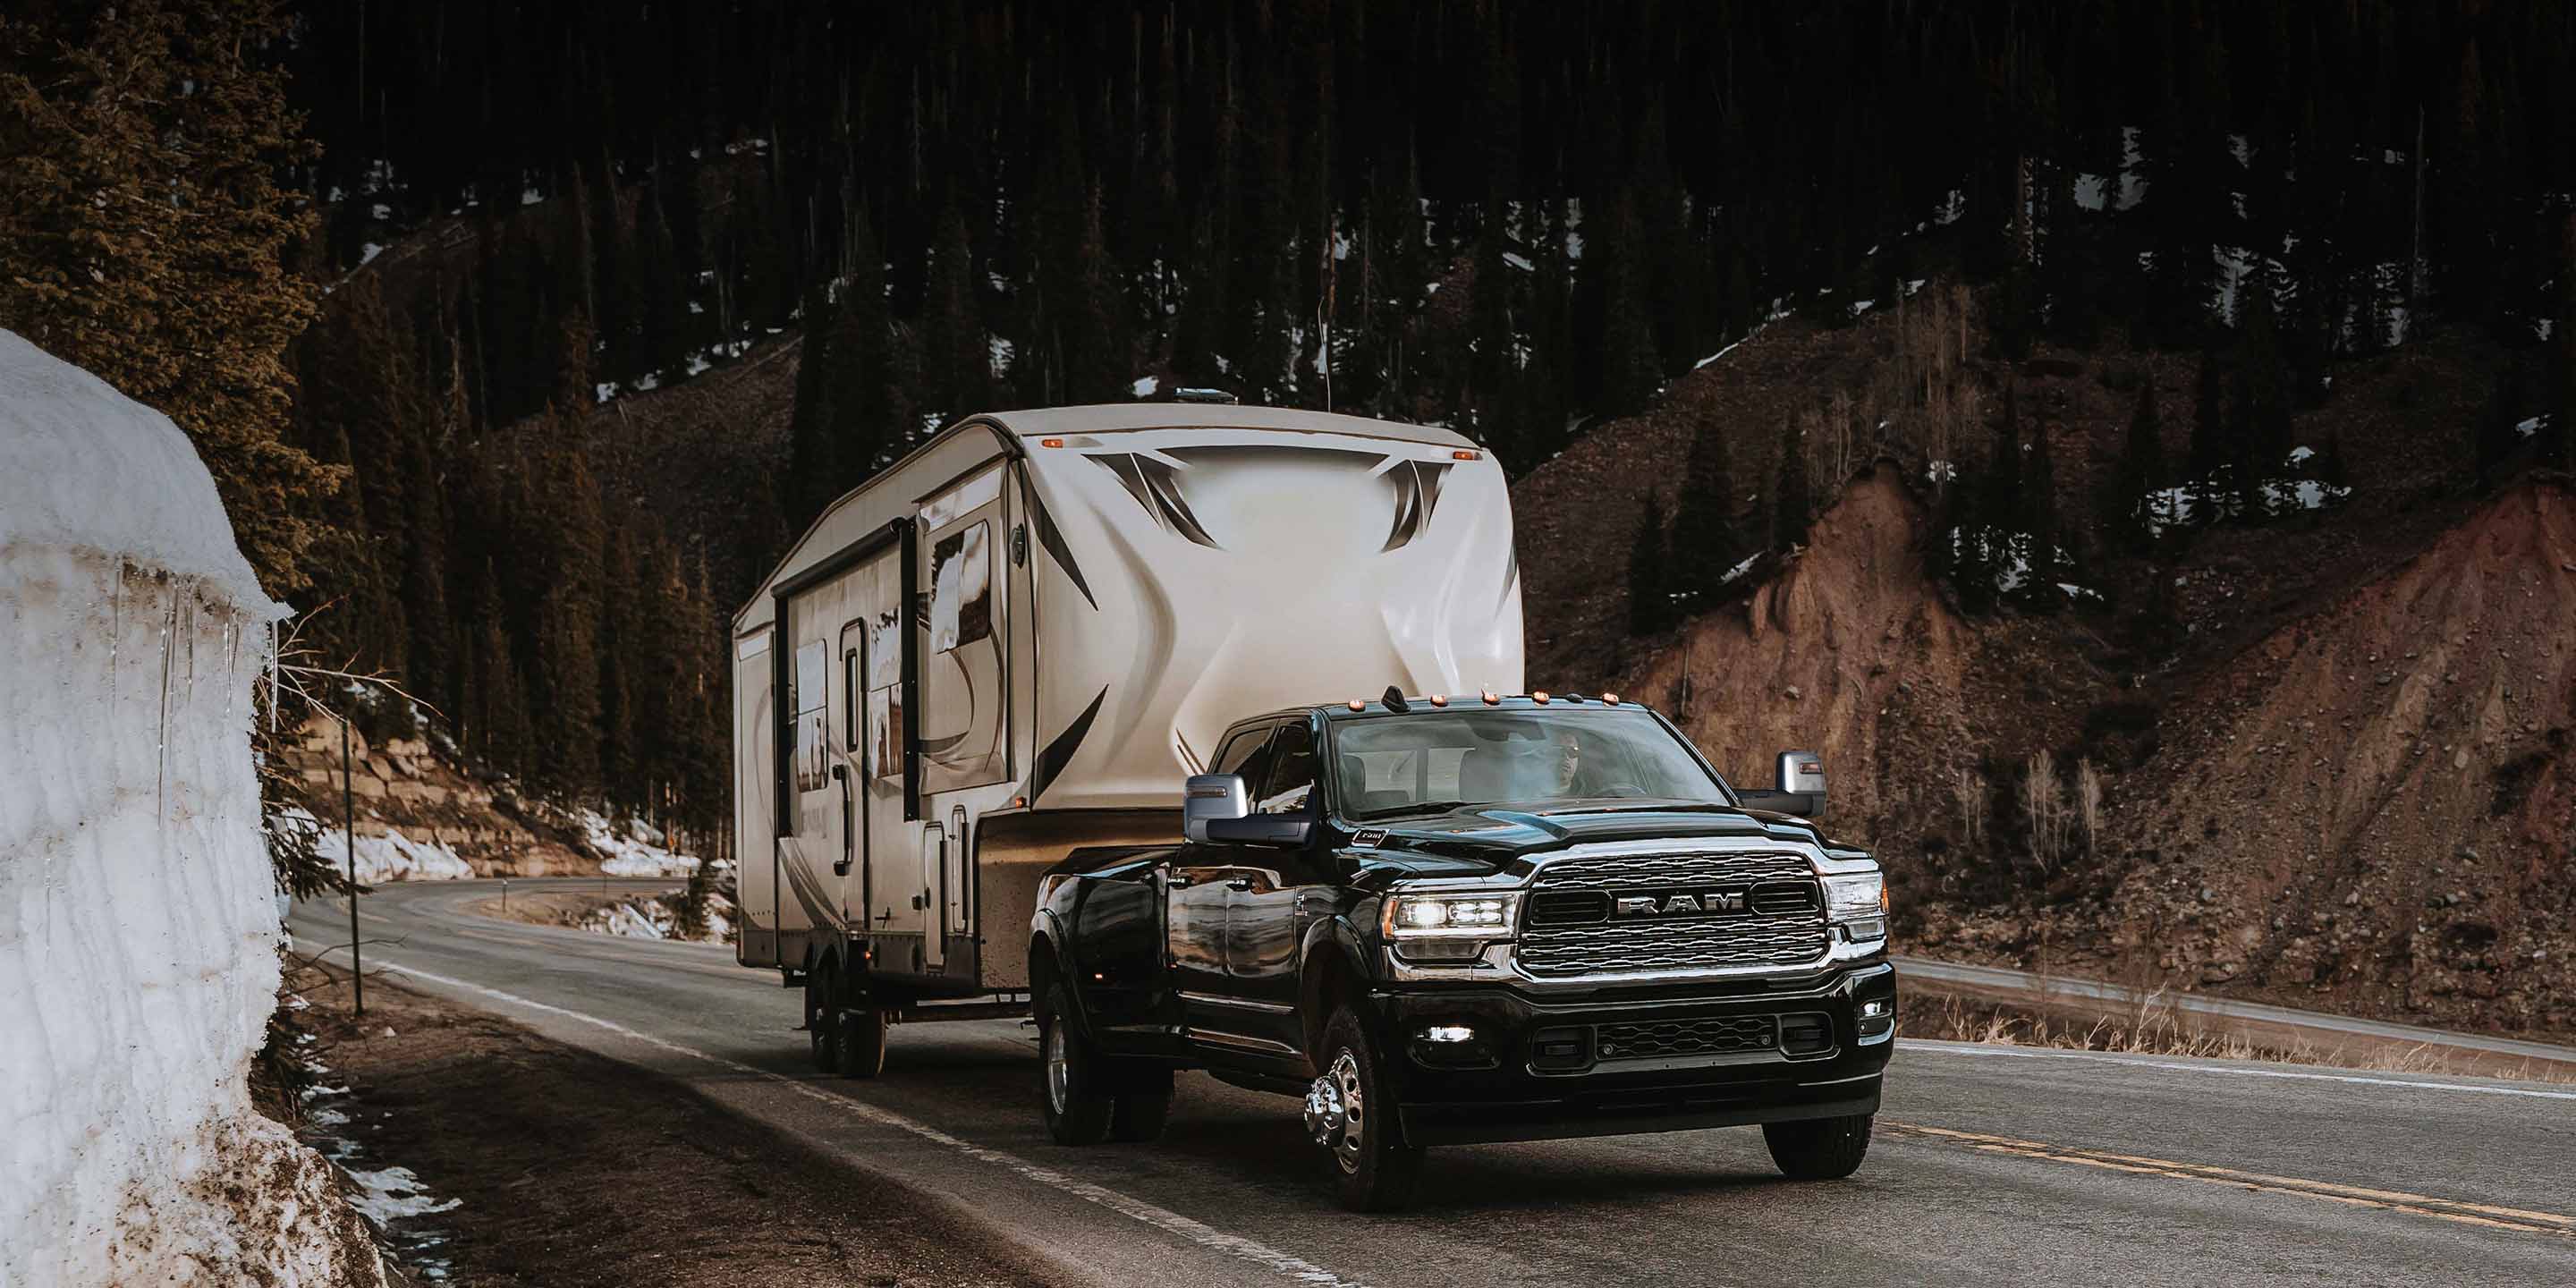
x: 349, y: 849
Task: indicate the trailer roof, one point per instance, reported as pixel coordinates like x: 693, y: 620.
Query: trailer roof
x: 1110, y: 418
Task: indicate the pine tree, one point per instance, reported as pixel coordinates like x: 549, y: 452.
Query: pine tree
x: 1706, y: 544
x: 144, y: 235
x: 1791, y: 503
x: 566, y: 574
x: 2050, y: 561
x: 866, y: 385
x: 2129, y: 511
x: 1650, y: 560
x: 2331, y: 469
x: 2003, y: 506
x: 1631, y: 370
x: 2210, y: 455
x: 813, y: 449
x: 957, y: 364
x: 1101, y: 366
x: 2496, y: 438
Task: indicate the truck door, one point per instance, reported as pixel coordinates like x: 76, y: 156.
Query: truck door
x: 1265, y: 917
x: 1195, y: 897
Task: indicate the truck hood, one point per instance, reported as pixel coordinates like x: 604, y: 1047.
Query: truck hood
x: 1490, y: 838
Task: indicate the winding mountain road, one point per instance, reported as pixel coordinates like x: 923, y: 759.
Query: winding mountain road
x: 1990, y: 1166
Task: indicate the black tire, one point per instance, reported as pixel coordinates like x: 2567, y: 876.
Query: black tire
x: 1352, y: 1114
x: 1071, y: 1092
x: 1142, y: 1105
x: 1818, y: 1149
x: 859, y: 1043
x: 818, y: 1018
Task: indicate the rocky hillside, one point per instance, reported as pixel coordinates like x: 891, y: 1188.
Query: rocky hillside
x: 2325, y: 756
x: 426, y: 813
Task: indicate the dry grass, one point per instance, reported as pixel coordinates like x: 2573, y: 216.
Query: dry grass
x: 2151, y: 1025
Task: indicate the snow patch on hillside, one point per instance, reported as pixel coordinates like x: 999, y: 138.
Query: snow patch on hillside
x: 635, y: 851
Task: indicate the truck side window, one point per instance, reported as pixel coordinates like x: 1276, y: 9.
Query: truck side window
x: 1246, y: 754
x: 1292, y: 772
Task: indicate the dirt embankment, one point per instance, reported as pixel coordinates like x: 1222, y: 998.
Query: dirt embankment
x: 2332, y: 748
x: 569, y: 1170
x: 2379, y: 797
x: 1848, y: 652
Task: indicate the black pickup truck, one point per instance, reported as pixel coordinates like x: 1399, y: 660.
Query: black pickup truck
x: 1441, y: 920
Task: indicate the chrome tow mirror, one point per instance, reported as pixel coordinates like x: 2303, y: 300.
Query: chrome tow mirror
x: 1208, y: 797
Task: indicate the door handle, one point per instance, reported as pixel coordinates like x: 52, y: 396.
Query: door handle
x: 1178, y: 880
x: 1238, y: 883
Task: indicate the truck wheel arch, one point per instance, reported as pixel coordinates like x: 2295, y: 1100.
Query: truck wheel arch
x: 1332, y: 977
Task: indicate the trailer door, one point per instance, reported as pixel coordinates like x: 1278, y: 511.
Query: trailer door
x: 893, y: 887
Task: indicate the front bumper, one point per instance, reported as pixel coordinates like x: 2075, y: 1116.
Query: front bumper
x: 1517, y: 1067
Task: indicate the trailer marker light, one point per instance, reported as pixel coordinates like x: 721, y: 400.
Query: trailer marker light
x: 1050, y: 442
x: 1462, y: 454
x: 1539, y: 697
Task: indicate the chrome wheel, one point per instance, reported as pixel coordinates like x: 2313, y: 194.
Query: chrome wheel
x: 1059, y: 1068
x: 1337, y: 1112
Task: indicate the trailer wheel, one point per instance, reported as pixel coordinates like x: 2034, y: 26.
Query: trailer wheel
x: 818, y: 1018
x: 1351, y: 1113
x: 1818, y: 1149
x: 1142, y: 1105
x: 859, y: 1043
x: 1070, y: 1095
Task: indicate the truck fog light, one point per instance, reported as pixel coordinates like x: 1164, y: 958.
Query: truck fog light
x: 1872, y: 1010
x: 1440, y: 950
x: 1449, y: 1033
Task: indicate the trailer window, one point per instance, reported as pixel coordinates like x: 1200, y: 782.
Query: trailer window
x: 961, y: 596
x: 812, y: 660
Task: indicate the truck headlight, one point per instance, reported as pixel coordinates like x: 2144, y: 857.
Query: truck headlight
x: 1449, y: 916
x: 1858, y: 900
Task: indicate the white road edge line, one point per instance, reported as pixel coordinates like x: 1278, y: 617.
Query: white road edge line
x: 1268, y: 1258
x: 2100, y: 1057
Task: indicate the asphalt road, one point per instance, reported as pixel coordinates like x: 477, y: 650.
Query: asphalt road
x: 1990, y: 1165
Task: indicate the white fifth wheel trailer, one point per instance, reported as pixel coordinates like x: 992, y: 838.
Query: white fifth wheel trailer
x: 1019, y: 638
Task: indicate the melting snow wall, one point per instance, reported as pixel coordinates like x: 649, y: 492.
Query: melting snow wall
x: 138, y: 925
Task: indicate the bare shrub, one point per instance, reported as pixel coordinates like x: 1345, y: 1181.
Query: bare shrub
x: 2044, y: 809
x: 1968, y: 792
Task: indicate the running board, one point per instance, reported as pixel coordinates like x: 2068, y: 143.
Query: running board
x: 997, y: 1006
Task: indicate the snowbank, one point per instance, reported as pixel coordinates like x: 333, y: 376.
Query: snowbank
x: 393, y: 857
x: 635, y: 852
x: 138, y: 926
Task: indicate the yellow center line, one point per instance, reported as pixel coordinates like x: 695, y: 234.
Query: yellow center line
x: 2466, y: 1213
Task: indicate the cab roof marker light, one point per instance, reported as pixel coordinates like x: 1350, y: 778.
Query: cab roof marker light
x: 1609, y: 699
x: 1440, y: 699
x: 1539, y: 697
x: 1492, y: 698
x: 1359, y: 704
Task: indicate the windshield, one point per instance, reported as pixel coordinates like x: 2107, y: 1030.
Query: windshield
x: 1443, y: 760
